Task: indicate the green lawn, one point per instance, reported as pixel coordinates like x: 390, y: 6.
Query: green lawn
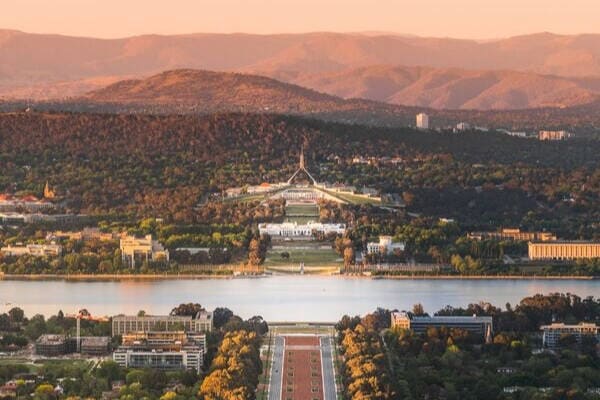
x: 302, y: 209
x: 310, y: 257
x: 352, y: 199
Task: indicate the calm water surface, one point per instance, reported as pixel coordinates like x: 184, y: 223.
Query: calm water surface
x: 277, y: 298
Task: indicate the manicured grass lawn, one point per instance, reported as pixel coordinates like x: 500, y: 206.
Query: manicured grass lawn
x: 310, y: 257
x: 302, y: 209
x: 356, y: 199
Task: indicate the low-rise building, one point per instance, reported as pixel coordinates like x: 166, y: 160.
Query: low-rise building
x: 386, y: 245
x: 123, y: 324
x: 512, y: 234
x: 554, y: 332
x: 136, y: 250
x: 563, y: 250
x: 36, y: 250
x: 29, y: 203
x: 483, y: 326
x: 95, y: 345
x: 293, y: 229
x: 54, y: 345
x: 85, y: 234
x: 554, y: 135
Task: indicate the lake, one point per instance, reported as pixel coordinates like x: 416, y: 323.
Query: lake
x: 276, y: 298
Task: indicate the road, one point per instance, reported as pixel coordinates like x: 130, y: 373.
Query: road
x: 276, y: 369
x: 329, y: 388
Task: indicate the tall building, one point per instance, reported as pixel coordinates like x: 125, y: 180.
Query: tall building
x: 123, y: 324
x: 422, y: 121
x: 554, y: 332
x: 136, y: 250
x: 483, y: 326
x: 563, y: 250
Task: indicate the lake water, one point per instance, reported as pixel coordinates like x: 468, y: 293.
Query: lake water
x: 276, y: 298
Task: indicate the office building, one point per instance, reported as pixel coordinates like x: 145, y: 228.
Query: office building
x: 95, y: 345
x: 563, y: 250
x: 161, y: 350
x: 135, y: 251
x: 512, y: 234
x: 554, y: 332
x: 422, y: 121
x: 123, y: 324
x: 419, y: 324
x: 54, y: 345
x: 554, y: 135
x: 36, y: 250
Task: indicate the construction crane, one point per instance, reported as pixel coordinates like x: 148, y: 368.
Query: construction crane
x: 84, y: 314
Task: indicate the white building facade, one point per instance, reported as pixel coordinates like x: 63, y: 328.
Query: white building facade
x: 422, y: 121
x: 293, y: 229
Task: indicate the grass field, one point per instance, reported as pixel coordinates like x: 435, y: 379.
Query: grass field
x: 352, y: 199
x: 310, y: 257
x: 302, y: 209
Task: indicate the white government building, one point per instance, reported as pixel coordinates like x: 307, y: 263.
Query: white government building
x: 293, y: 229
x: 386, y: 245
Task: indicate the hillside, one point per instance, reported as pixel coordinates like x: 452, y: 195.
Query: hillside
x: 215, y: 91
x: 163, y: 166
x: 451, y: 88
x: 53, y: 66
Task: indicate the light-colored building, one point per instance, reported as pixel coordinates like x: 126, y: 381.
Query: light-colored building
x: 85, y: 234
x: 563, y: 250
x: 386, y: 245
x: 463, y: 126
x: 161, y: 350
x: 293, y: 229
x: 37, y: 250
x: 553, y: 332
x: 483, y: 326
x: 554, y: 135
x: 123, y: 324
x: 422, y: 121
x: 135, y: 250
x: 513, y: 234
x: 10, y: 203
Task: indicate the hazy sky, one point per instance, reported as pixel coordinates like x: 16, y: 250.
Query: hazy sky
x: 447, y: 18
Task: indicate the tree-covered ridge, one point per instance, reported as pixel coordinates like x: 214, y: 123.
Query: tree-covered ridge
x: 164, y: 166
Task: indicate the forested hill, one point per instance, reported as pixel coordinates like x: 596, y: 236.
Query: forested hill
x: 163, y: 165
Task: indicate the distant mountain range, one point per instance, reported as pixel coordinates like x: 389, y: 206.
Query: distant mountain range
x: 540, y: 70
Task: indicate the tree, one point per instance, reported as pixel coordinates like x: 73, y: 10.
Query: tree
x: 348, y: 257
x: 418, y: 309
x: 220, y: 316
x: 189, y: 309
x: 16, y: 314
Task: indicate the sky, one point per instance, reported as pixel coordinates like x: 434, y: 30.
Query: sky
x: 473, y: 19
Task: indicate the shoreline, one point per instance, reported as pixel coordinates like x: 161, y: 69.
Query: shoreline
x: 487, y: 277
x: 157, y: 277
